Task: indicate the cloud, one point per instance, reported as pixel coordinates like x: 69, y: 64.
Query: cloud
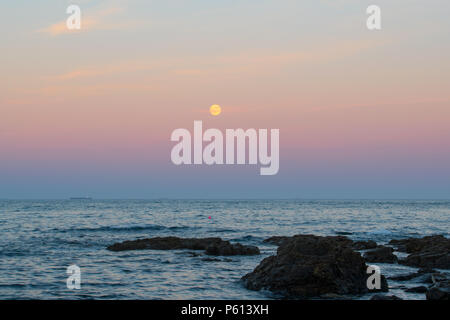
x: 150, y: 74
x: 249, y: 62
x: 98, y: 19
x: 61, y: 27
x: 105, y: 70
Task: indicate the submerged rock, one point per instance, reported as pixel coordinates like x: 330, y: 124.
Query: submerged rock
x: 424, y: 275
x: 213, y: 246
x: 440, y: 290
x: 404, y: 277
x: 381, y: 254
x: 384, y: 297
x: 429, y: 251
x: 311, y: 266
x: 420, y: 289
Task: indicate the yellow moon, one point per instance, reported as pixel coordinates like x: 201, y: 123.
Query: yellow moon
x: 215, y: 109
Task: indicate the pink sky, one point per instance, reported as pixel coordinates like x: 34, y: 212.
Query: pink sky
x: 104, y: 101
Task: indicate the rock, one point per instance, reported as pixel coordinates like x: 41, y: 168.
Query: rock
x: 357, y: 245
x: 311, y: 266
x: 165, y: 243
x: 384, y: 297
x: 225, y: 248
x: 437, y: 294
x: 363, y: 245
x: 404, y: 277
x: 381, y: 254
x: 426, y: 270
x: 440, y: 290
x: 432, y: 277
x: 412, y: 245
x: 420, y: 289
x: 276, y: 240
x: 429, y: 251
x: 436, y: 260
x: 423, y: 273
x: 213, y: 246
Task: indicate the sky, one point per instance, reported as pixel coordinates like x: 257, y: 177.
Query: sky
x: 362, y: 114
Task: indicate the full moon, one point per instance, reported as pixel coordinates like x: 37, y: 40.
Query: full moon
x: 215, y: 109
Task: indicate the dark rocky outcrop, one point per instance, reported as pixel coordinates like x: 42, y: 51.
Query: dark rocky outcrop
x: 381, y: 254
x: 429, y: 251
x: 165, y: 243
x: 212, y: 246
x: 226, y: 248
x: 426, y: 276
x: 276, y: 240
x: 423, y: 273
x: 364, y: 245
x: 439, y: 290
x: 310, y: 266
x: 428, y: 259
x: 413, y: 245
x: 435, y: 277
x: 357, y: 245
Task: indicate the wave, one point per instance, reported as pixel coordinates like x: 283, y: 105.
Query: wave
x: 248, y: 238
x: 125, y: 228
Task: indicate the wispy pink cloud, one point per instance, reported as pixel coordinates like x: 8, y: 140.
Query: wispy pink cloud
x: 98, y: 19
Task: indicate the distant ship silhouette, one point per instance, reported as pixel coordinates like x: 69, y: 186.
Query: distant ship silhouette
x: 80, y: 198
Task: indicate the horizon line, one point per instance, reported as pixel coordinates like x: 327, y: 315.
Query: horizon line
x: 225, y: 199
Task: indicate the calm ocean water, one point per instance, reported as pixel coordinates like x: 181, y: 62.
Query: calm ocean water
x: 40, y: 239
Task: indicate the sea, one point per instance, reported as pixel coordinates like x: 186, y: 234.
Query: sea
x: 40, y: 239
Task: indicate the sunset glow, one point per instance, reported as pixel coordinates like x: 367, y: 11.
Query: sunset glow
x: 361, y: 114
